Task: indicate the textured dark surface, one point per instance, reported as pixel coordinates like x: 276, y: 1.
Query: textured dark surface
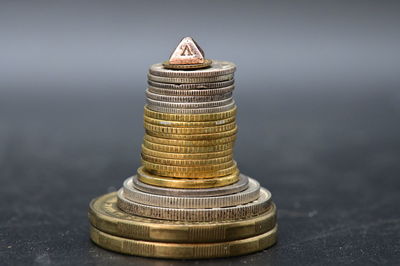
x: 333, y: 172
x: 318, y: 90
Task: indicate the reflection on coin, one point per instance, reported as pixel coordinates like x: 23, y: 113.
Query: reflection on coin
x: 180, y: 80
x: 193, y: 86
x: 245, y: 211
x: 191, y: 117
x: 193, y: 92
x: 195, y: 183
x: 188, y: 99
x: 246, y: 196
x: 183, y: 251
x: 217, y: 68
x: 240, y: 185
x: 186, y: 156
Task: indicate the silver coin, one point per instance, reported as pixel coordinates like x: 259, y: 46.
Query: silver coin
x: 190, y: 80
x: 187, y: 99
x: 217, y: 68
x: 244, y: 211
x: 193, y: 86
x: 192, y: 105
x: 191, y: 111
x: 202, y: 92
x: 239, y: 186
x: 246, y: 196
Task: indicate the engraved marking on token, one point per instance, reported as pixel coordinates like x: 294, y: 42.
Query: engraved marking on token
x: 187, y: 52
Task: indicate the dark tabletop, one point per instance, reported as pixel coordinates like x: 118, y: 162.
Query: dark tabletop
x: 332, y: 165
x: 318, y: 92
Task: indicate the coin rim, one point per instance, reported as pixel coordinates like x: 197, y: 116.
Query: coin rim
x: 184, y: 250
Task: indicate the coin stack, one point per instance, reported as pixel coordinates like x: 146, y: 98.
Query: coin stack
x: 188, y: 199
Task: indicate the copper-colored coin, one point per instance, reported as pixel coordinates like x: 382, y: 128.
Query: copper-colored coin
x: 205, y: 64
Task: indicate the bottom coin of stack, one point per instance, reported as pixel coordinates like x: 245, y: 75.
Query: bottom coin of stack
x: 145, y: 220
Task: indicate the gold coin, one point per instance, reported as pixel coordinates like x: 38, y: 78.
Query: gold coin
x: 190, y: 117
x: 186, y: 169
x: 190, y: 143
x: 184, y: 250
x: 175, y: 162
x: 160, y: 181
x: 107, y: 217
x: 169, y: 123
x: 194, y: 136
x: 189, y: 130
x: 186, y: 156
x: 151, y: 168
x: 186, y: 149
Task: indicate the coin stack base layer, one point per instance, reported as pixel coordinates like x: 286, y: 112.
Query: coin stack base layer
x: 189, y: 199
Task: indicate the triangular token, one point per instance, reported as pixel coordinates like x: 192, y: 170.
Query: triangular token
x: 187, y: 53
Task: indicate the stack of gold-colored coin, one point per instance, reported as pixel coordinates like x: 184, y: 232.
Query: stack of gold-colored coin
x: 188, y: 199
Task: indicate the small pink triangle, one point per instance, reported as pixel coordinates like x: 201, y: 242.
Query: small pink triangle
x: 187, y: 53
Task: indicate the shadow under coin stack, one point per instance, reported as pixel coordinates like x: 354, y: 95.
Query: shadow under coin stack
x: 188, y: 199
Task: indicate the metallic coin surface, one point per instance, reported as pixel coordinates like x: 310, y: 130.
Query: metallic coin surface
x: 185, y: 250
x: 198, y: 92
x: 217, y: 68
x: 183, y: 111
x: 246, y: 196
x: 170, y: 123
x: 190, y: 143
x: 240, y: 185
x: 105, y: 216
x: 186, y: 156
x: 205, y: 64
x: 176, y: 162
x: 187, y: 99
x: 191, y: 105
x: 193, y: 86
x: 189, y: 130
x: 217, y: 170
x: 186, y: 149
x: 162, y: 181
x: 191, y: 117
x: 180, y: 80
x: 187, y: 169
x: 193, y: 136
x: 245, y: 211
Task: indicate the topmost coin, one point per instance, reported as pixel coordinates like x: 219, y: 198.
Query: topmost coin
x: 217, y: 68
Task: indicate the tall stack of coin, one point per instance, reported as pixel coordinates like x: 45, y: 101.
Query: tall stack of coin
x: 188, y: 199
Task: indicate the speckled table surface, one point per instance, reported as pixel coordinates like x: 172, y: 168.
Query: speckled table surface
x: 332, y: 165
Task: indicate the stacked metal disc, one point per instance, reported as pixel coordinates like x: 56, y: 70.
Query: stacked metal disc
x: 188, y: 199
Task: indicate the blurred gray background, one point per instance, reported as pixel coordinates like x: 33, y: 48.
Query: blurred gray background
x: 318, y: 91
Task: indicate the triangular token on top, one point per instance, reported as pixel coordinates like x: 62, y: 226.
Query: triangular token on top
x: 188, y: 52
